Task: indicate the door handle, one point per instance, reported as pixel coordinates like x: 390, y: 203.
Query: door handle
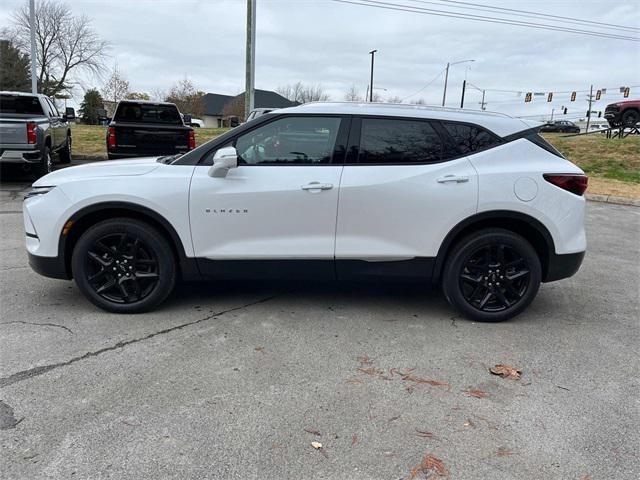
x: 317, y: 186
x: 452, y: 179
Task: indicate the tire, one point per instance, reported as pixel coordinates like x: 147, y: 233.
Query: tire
x: 46, y: 164
x: 630, y: 118
x: 124, y: 265
x: 65, y: 153
x: 496, y: 290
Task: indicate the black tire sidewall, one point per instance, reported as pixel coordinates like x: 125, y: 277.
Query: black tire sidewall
x: 630, y: 115
x: 464, y: 248
x: 152, y: 238
x: 42, y: 168
x: 65, y: 153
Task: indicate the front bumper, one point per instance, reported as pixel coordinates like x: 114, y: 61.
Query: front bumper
x: 52, y: 267
x: 563, y: 266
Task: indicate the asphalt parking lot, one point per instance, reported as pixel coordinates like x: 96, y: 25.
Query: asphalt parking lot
x: 236, y: 380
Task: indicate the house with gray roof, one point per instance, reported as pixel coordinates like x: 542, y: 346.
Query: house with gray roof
x: 215, y: 103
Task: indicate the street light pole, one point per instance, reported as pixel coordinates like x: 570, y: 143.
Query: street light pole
x: 372, y: 53
x: 446, y: 78
x: 464, y: 87
x: 32, y: 28
x: 249, y: 92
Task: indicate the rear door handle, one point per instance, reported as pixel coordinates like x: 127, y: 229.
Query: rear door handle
x: 452, y: 179
x: 317, y: 186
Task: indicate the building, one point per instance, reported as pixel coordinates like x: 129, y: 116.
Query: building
x: 215, y: 103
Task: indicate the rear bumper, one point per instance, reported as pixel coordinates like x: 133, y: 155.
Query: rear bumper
x: 20, y: 156
x: 52, y: 267
x: 563, y: 266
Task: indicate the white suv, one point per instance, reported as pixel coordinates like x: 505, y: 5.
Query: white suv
x: 475, y: 201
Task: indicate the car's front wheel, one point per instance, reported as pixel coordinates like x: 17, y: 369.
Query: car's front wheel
x: 124, y: 265
x: 630, y: 118
x: 492, y: 275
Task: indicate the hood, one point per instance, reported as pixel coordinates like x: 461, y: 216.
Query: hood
x: 105, y: 168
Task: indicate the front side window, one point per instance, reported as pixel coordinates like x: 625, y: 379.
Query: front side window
x: 289, y: 141
x: 398, y: 142
x: 470, y: 138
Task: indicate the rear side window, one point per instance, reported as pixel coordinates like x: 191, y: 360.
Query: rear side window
x: 148, y: 113
x: 20, y: 104
x: 391, y: 141
x: 470, y: 138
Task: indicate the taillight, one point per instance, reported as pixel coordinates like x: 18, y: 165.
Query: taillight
x: 32, y: 134
x: 192, y: 140
x: 571, y: 183
x: 111, y: 138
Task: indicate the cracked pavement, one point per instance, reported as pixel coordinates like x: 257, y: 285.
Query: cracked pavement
x: 223, y: 380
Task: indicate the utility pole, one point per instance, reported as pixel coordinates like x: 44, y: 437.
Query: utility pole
x: 589, y: 111
x: 249, y: 92
x: 32, y: 28
x: 446, y: 78
x: 372, y: 53
x: 483, y: 103
x: 464, y: 86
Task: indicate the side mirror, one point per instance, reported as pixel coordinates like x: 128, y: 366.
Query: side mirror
x: 224, y: 160
x: 69, y: 113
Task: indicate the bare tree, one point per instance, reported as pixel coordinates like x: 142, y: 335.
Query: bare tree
x: 138, y: 96
x: 394, y: 99
x: 187, y: 98
x: 301, y: 93
x: 65, y: 44
x: 116, y: 88
x: 420, y: 101
x: 352, y: 94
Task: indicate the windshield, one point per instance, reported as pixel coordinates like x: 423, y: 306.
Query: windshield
x: 20, y: 104
x: 148, y: 113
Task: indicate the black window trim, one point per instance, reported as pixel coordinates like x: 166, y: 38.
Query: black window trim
x: 229, y: 138
x: 499, y: 140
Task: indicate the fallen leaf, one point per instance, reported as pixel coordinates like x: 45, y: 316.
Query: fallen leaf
x: 323, y: 452
x: 371, y: 371
x: 505, y: 371
x: 354, y: 440
x: 476, y: 393
x: 316, y: 445
x: 259, y: 349
x: 503, y: 452
x: 313, y: 431
x: 429, y: 464
x: 424, y: 434
x: 364, y: 360
x: 586, y: 477
x: 393, y: 418
x: 469, y: 423
x: 434, y: 383
x: 354, y: 381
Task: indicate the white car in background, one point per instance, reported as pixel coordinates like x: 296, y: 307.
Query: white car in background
x: 474, y: 201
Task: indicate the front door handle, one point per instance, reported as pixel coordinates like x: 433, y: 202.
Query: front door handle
x: 317, y: 186
x: 452, y: 179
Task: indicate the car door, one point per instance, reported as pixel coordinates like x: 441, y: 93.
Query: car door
x: 57, y: 134
x: 277, y: 209
x: 404, y: 187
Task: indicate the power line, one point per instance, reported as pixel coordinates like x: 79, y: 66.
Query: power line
x: 529, y: 14
x: 482, y: 18
x: 432, y: 80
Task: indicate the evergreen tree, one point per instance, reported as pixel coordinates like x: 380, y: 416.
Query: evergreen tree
x: 14, y: 68
x: 91, y: 103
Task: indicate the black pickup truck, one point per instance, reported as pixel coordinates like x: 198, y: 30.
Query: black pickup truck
x: 145, y: 129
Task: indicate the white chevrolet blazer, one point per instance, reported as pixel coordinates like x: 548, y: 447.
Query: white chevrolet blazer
x: 474, y: 201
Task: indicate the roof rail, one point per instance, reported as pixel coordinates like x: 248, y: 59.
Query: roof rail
x: 417, y: 107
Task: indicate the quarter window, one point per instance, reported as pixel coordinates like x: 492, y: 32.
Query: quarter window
x: 399, y: 141
x: 470, y: 138
x: 289, y: 141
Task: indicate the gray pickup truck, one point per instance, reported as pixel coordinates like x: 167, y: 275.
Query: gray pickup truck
x: 32, y: 131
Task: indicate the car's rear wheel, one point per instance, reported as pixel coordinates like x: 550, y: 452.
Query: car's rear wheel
x: 124, y: 265
x: 45, y: 165
x: 65, y: 152
x: 492, y: 275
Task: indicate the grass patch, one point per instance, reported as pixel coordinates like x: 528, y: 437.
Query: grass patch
x: 598, y: 156
x: 91, y: 140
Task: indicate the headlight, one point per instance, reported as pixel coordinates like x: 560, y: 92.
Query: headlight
x: 35, y: 191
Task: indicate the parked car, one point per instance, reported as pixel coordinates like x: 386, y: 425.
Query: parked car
x: 140, y: 128
x: 191, y: 121
x: 476, y: 202
x: 623, y: 113
x: 257, y: 112
x: 560, y: 126
x: 32, y: 131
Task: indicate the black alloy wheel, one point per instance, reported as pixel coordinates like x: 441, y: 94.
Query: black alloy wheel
x: 492, y: 275
x: 124, y: 265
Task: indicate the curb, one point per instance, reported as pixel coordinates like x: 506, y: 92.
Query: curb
x: 634, y: 202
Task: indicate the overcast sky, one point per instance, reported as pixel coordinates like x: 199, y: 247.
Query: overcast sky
x: 156, y: 42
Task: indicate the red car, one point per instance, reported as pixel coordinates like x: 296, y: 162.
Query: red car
x: 623, y: 113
